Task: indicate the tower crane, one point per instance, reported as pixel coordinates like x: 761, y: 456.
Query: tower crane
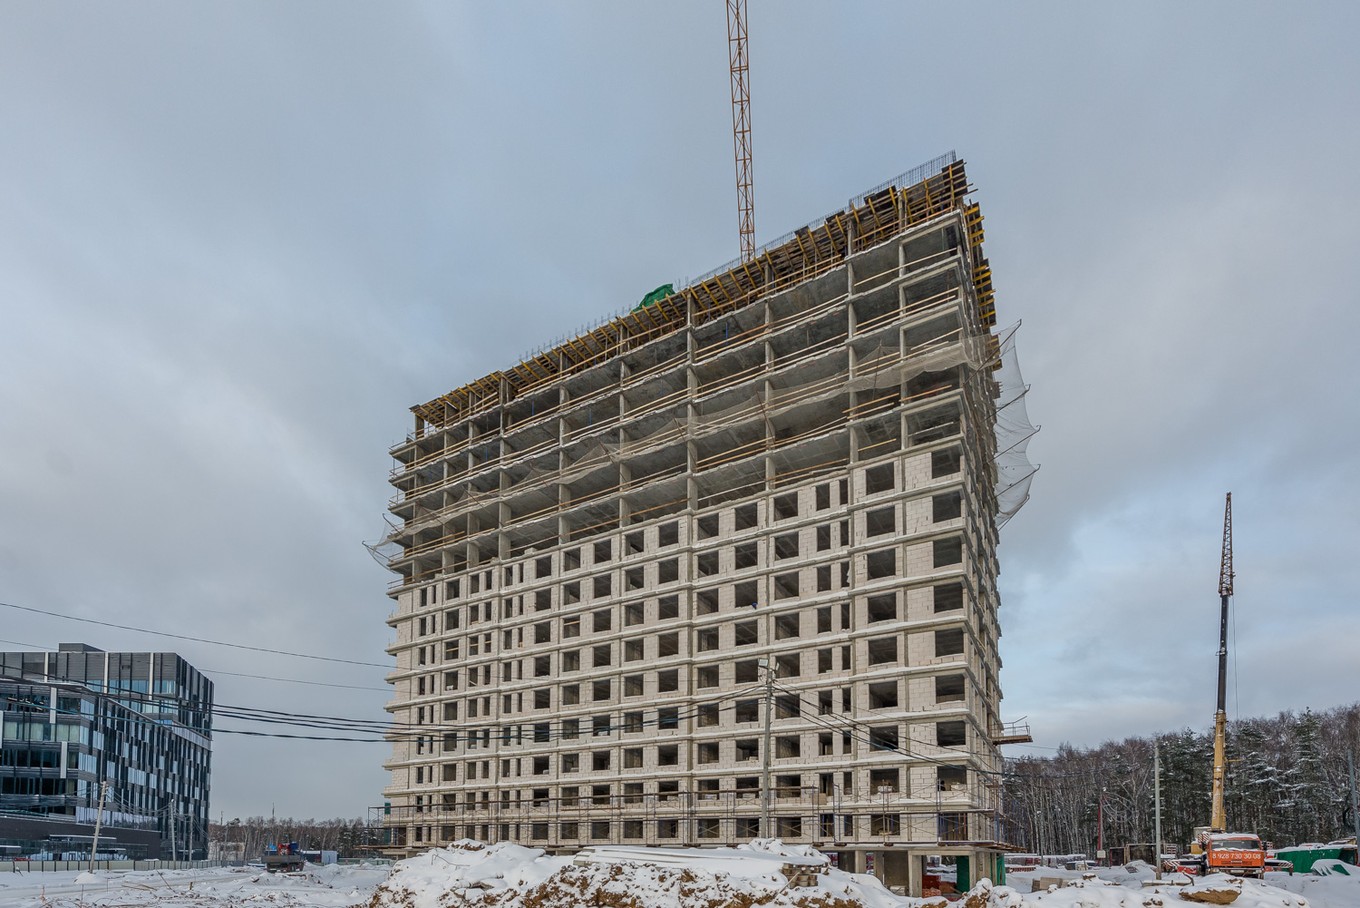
x: 739, y: 65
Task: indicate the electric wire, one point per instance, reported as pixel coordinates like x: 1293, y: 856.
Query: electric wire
x: 387, y: 731
x: 394, y: 731
x: 143, y: 630
x: 31, y: 646
x: 877, y: 744
x: 211, y: 673
x: 865, y: 734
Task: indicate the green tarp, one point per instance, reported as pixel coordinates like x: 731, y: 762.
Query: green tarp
x: 656, y: 296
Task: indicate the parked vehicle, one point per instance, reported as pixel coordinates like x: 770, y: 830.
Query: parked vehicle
x: 285, y: 857
x: 1236, y: 853
x: 1190, y: 865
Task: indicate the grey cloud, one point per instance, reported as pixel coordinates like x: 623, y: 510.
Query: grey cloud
x: 240, y: 241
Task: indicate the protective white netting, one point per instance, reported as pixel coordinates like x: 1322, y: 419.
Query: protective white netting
x: 721, y: 422
x: 1014, y: 471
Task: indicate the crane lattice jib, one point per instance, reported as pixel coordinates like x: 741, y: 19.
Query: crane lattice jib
x: 739, y: 65
x: 1225, y: 570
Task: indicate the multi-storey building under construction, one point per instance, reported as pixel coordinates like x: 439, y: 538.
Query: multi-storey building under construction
x: 724, y: 566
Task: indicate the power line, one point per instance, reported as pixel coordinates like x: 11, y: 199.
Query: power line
x: 391, y: 731
x: 268, y: 734
x: 877, y: 744
x: 143, y: 630
x: 874, y: 743
x: 213, y: 672
x: 384, y: 730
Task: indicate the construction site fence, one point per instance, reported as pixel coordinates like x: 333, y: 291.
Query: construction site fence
x: 150, y: 864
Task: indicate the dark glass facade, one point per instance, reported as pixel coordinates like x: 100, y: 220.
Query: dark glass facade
x: 79, y: 717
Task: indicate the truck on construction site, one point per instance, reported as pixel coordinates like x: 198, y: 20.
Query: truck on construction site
x: 285, y: 857
x: 1235, y: 853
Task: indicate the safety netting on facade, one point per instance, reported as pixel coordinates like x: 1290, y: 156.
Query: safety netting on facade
x: 1014, y: 470
x: 728, y: 424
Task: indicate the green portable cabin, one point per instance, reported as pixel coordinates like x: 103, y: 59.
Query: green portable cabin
x: 1303, y: 857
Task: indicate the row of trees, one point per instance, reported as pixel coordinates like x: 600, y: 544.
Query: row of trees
x: 1287, y: 780
x: 348, y: 837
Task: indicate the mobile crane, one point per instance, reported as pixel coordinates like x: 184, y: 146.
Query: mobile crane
x: 1218, y: 819
x: 1237, y: 853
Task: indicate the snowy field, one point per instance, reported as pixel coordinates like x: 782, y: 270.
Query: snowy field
x: 761, y: 874
x: 1140, y: 890
x: 322, y: 887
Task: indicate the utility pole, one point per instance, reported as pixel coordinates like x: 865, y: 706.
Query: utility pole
x: 1157, y: 806
x: 765, y: 830
x: 174, y: 848
x: 104, y: 790
x: 1355, y: 802
x: 1100, y: 826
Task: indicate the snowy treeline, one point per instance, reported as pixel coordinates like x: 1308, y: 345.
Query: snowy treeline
x: 348, y: 837
x: 1286, y: 780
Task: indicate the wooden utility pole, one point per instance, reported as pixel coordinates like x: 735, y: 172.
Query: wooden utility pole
x: 1100, y: 826
x: 98, y: 821
x: 1355, y: 802
x: 1157, y: 806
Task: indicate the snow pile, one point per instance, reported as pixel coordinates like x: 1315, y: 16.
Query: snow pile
x: 1321, y: 890
x: 769, y: 874
x: 1217, y: 889
x: 464, y: 872
x: 510, y: 876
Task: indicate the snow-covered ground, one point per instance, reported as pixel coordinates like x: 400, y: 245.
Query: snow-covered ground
x: 768, y: 873
x: 320, y: 887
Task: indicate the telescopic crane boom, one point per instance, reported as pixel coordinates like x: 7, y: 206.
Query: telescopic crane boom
x: 1218, y: 821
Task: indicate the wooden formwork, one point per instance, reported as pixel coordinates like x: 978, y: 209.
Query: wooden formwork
x: 806, y: 253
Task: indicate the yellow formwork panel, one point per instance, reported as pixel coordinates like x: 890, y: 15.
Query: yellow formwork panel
x: 810, y: 251
x: 973, y: 222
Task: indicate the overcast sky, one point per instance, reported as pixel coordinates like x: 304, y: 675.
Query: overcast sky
x: 238, y: 241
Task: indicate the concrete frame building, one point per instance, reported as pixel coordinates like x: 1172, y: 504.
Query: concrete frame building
x: 771, y: 495
x: 79, y: 717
